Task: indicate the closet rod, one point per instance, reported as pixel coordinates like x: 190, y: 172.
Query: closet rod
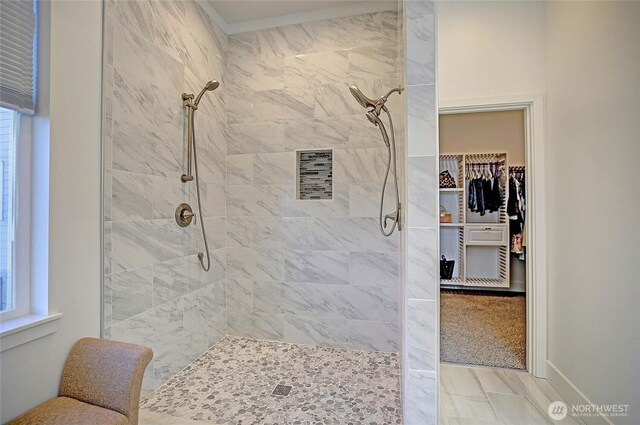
x: 471, y: 164
x: 517, y: 170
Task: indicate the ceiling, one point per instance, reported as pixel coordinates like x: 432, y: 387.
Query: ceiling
x: 240, y: 11
x: 250, y: 13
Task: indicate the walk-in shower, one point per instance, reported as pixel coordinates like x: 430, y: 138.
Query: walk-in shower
x: 300, y: 292
x: 373, y: 115
x: 184, y: 213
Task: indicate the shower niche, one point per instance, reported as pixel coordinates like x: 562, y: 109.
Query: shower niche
x: 314, y: 174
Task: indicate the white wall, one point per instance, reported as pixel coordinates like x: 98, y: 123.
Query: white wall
x: 593, y: 106
x: 584, y: 57
x: 31, y: 372
x: 155, y: 290
x: 495, y: 131
x: 318, y: 258
x: 488, y: 49
x: 420, y: 348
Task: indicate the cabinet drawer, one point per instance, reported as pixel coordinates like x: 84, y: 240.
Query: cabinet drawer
x: 486, y: 235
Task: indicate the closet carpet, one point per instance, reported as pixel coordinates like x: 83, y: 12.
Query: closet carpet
x: 484, y: 330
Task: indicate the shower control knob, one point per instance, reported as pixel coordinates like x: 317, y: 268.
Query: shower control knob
x: 184, y: 215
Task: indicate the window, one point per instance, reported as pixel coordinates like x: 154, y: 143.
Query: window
x: 18, y: 65
x: 8, y: 136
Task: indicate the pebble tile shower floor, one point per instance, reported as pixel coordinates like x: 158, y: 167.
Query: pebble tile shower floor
x: 233, y: 381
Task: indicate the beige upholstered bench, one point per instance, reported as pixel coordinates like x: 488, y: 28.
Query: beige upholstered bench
x: 100, y: 385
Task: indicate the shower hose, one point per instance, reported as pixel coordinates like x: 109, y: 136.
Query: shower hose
x: 391, y: 150
x: 195, y: 165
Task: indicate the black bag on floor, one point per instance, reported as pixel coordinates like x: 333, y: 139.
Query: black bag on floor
x: 446, y: 268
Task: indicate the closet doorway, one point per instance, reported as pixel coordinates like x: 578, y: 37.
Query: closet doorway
x: 483, y: 237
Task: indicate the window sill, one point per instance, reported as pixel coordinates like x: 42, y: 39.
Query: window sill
x: 27, y: 328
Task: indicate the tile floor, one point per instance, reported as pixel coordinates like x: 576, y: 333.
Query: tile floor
x: 152, y: 418
x: 233, y: 381
x: 232, y: 384
x: 480, y: 395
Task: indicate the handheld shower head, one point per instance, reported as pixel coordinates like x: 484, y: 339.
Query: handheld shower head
x: 210, y: 86
x: 372, y: 117
x: 361, y: 98
x: 374, y: 108
x: 375, y: 120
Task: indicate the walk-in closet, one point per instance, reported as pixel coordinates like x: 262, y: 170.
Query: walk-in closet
x: 483, y: 238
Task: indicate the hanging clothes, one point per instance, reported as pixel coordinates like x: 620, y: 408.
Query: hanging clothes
x: 516, y: 207
x: 480, y: 201
x: 488, y: 195
x: 496, y: 195
x: 472, y: 202
x: 484, y: 190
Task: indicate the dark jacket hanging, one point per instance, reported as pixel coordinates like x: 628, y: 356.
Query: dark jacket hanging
x: 496, y: 195
x: 480, y: 201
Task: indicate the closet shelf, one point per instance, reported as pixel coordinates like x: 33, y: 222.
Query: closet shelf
x: 452, y: 281
x: 479, y: 244
x: 483, y: 281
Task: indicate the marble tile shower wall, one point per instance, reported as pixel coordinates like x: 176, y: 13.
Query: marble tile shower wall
x: 308, y: 271
x: 155, y: 292
x: 420, y: 347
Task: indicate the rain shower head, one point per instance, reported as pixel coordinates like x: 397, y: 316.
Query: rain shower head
x: 376, y: 106
x: 366, y: 102
x: 361, y: 98
x: 210, y: 86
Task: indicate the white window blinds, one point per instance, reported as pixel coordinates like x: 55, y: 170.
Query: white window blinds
x: 17, y: 55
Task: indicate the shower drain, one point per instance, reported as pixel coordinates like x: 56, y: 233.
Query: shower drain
x: 281, y: 390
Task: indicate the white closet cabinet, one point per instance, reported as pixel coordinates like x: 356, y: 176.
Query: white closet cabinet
x: 479, y: 244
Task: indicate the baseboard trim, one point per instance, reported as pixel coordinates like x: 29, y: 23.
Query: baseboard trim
x: 572, y: 394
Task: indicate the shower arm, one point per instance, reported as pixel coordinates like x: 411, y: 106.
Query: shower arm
x: 381, y: 101
x: 399, y: 90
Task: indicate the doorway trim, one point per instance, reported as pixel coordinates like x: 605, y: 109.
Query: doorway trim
x: 536, y: 223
